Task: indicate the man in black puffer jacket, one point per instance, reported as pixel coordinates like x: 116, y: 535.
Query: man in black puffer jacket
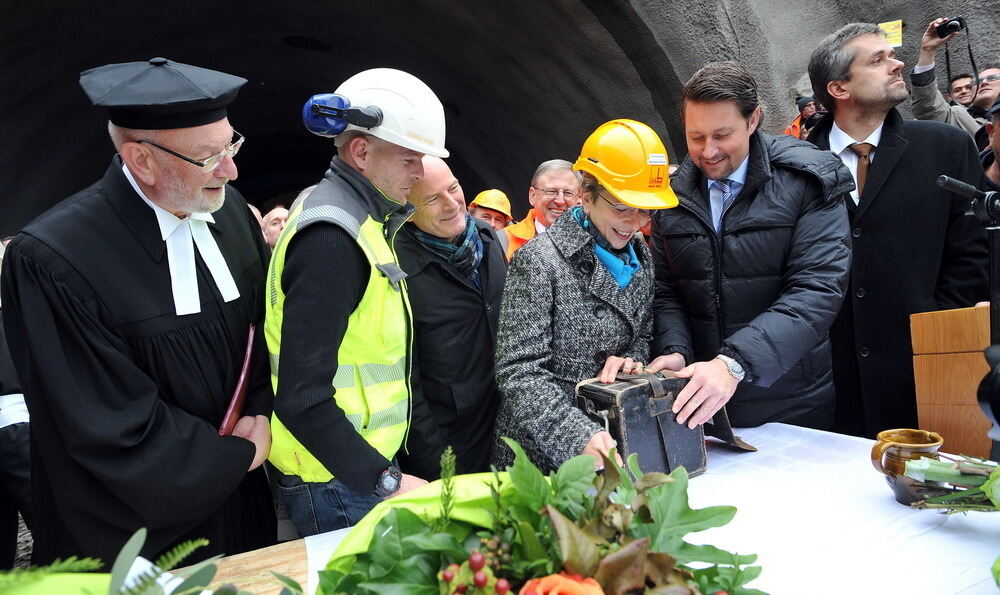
x: 751, y: 267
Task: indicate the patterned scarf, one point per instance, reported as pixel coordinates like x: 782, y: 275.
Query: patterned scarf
x: 621, y: 264
x: 465, y: 253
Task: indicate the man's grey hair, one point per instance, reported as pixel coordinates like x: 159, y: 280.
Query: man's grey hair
x: 120, y: 136
x: 555, y: 165
x: 989, y: 66
x: 830, y: 61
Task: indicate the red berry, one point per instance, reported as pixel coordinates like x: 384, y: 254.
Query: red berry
x: 721, y: 593
x: 476, y: 561
x: 461, y: 588
x: 448, y: 575
x: 502, y: 586
x: 479, y: 579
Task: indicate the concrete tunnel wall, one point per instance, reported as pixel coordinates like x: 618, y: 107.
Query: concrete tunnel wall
x: 521, y: 81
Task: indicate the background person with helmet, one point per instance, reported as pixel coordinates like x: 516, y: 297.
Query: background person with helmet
x: 751, y: 268
x: 555, y: 188
x: 493, y: 207
x: 577, y: 302
x: 338, y: 322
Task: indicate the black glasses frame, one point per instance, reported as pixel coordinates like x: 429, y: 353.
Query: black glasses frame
x: 210, y: 163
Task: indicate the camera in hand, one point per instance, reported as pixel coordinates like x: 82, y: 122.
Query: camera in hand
x: 814, y: 119
x: 951, y: 26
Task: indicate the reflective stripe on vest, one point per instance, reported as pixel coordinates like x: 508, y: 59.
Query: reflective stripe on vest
x: 371, y: 382
x: 370, y: 373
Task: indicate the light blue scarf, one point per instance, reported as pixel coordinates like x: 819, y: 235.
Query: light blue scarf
x: 621, y: 264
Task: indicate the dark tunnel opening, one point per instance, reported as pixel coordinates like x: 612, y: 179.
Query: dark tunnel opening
x: 521, y: 83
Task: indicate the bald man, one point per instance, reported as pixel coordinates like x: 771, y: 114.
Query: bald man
x: 455, y: 270
x: 273, y: 223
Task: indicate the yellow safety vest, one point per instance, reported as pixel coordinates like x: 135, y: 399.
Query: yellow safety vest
x: 373, y: 372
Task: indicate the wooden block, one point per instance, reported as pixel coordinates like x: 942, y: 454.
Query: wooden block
x: 950, y: 331
x: 963, y: 428
x: 251, y: 571
x: 946, y: 400
x: 948, y: 378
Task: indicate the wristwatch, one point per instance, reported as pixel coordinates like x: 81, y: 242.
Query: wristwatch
x: 734, y: 367
x: 388, y: 482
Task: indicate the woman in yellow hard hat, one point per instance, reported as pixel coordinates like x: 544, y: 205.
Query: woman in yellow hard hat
x: 578, y: 299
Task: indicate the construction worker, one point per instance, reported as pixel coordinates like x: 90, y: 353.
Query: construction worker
x: 493, y: 207
x: 555, y: 188
x: 338, y: 322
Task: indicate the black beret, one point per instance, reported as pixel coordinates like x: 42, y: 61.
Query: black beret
x: 802, y: 102
x: 160, y: 94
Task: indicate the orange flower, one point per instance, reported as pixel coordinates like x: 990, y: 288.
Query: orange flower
x: 562, y: 584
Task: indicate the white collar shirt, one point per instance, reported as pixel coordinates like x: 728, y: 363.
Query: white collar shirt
x: 840, y: 145
x: 181, y: 237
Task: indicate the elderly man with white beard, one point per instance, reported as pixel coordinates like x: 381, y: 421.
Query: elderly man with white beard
x: 127, y: 308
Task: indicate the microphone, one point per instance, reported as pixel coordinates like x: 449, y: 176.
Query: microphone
x: 960, y: 187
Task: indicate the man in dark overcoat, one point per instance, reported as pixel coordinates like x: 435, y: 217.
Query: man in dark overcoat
x: 127, y: 308
x: 455, y: 269
x: 915, y: 248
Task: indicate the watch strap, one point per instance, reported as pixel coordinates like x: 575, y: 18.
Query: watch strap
x: 733, y: 366
x: 388, y: 482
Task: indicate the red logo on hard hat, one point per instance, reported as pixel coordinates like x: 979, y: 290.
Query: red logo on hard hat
x: 656, y: 177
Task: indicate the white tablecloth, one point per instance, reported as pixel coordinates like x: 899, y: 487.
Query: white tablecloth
x: 821, y: 520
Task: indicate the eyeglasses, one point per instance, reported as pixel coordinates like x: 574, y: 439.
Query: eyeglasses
x: 989, y: 79
x: 625, y: 211
x: 554, y: 192
x: 211, y: 163
x: 959, y: 89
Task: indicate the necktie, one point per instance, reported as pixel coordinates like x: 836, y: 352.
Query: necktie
x: 727, y: 192
x: 862, y: 150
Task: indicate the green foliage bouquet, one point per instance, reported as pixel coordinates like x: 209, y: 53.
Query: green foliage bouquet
x: 492, y: 533
x: 965, y: 484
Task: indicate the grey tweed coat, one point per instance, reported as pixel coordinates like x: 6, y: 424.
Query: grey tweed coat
x: 562, y: 315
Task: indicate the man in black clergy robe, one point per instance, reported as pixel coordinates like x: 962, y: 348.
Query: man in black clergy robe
x: 127, y: 308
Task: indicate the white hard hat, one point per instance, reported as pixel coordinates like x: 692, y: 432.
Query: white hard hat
x: 412, y: 115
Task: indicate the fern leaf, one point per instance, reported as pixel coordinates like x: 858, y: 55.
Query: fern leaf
x: 74, y: 564
x: 447, y: 489
x: 171, y: 559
